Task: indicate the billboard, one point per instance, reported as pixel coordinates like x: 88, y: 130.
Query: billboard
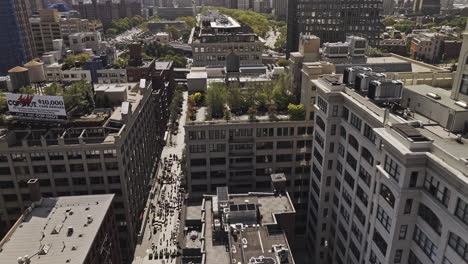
x: 42, y: 107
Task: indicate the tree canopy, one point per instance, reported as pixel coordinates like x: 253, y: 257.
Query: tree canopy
x: 71, y: 59
x: 296, y: 112
x: 215, y: 97
x: 54, y: 89
x: 79, y: 97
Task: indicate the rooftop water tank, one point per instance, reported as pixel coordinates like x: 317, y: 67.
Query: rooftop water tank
x: 36, y: 71
x: 19, y: 77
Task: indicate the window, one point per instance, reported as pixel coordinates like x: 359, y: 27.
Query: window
x: 320, y: 123
x: 461, y: 211
x: 332, y: 147
x: 79, y: 181
x: 319, y: 139
x: 380, y: 242
x: 464, y: 85
x: 217, y: 147
x: 341, y: 150
x: 345, y: 113
x: 425, y: 244
x: 284, y: 144
x: 367, y: 156
x: 342, y: 230
x: 398, y: 255
x: 413, y: 179
x: 360, y: 215
x: 356, y: 232
x: 353, y: 142
x: 458, y: 245
x: 435, y: 188
x: 197, y: 148
x: 408, y: 205
x: 352, y: 162
x: 413, y: 259
x: 333, y: 130
x: 365, y: 176
x: 318, y: 156
x: 197, y: 162
x: 384, y: 218
x: 403, y: 231
x: 356, y: 122
x: 430, y: 218
x: 346, y: 197
x: 354, y: 250
x: 369, y: 133
x: 349, y: 179
x: 343, y: 132
x: 339, y: 167
x: 334, y: 110
x: 92, y: 154
x: 392, y: 168
x: 363, y: 197
x: 387, y: 194
x: 322, y: 104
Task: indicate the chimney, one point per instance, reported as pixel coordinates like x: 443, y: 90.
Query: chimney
x: 278, y: 181
x: 34, y: 190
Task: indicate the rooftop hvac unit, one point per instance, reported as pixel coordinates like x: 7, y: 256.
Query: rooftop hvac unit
x: 349, y: 75
x: 385, y: 90
x: 361, y: 83
x: 336, y: 50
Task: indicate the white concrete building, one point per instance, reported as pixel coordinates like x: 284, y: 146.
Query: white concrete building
x: 112, y: 76
x: 387, y: 186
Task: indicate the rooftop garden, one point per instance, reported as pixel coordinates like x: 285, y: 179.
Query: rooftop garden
x: 273, y: 101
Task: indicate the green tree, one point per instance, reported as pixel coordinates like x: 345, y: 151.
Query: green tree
x: 71, y: 59
x: 79, y: 97
x: 282, y: 92
x: 196, y: 98
x: 173, y: 31
x: 112, y: 32
x: 3, y: 103
x: 27, y: 90
x: 236, y: 100
x: 282, y: 63
x: 190, y: 22
x: 296, y: 112
x: 215, y: 97
x: 53, y: 89
x: 388, y: 21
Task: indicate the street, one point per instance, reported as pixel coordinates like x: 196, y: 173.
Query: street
x: 159, y: 243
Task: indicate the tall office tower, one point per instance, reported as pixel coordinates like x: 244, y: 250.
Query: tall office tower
x: 331, y: 20
x: 16, y: 42
x: 426, y: 7
x: 280, y: 8
x: 388, y: 7
x: 292, y: 34
x: 388, y: 181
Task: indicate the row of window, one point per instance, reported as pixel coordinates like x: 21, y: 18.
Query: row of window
x: 35, y: 156
x: 248, y: 132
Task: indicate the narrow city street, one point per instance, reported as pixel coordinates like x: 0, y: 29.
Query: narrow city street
x: 159, y: 243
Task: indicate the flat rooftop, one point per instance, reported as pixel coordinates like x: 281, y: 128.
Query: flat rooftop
x: 416, y: 66
x: 445, y: 100
x: 46, y: 227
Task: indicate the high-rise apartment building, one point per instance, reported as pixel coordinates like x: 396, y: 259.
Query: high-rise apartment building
x: 280, y: 8
x: 332, y: 20
x: 388, y: 181
x: 460, y: 83
x: 49, y: 26
x: 426, y: 7
x: 107, y: 11
x: 115, y: 153
x: 16, y: 42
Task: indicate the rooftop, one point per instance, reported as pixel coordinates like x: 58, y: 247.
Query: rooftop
x: 43, y: 232
x: 416, y: 66
x: 444, y: 96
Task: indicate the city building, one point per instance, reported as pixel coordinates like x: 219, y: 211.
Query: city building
x: 49, y: 27
x: 388, y: 7
x: 67, y: 229
x: 217, y: 35
x: 262, y: 6
x: 388, y: 172
x: 427, y: 46
x: 110, y: 150
x: 397, y: 46
x: 16, y: 41
x: 280, y: 8
x: 107, y: 11
x: 426, y: 7
x: 172, y: 13
x: 460, y: 83
x: 332, y: 20
x: 256, y: 227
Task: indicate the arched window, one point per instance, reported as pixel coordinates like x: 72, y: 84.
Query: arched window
x: 353, y: 142
x: 430, y: 218
x: 387, y: 194
x: 365, y: 153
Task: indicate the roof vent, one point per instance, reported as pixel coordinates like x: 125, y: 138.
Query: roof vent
x: 73, y: 248
x: 462, y: 104
x: 433, y: 96
x: 56, y: 229
x: 70, y: 231
x: 44, y: 249
x: 90, y: 219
